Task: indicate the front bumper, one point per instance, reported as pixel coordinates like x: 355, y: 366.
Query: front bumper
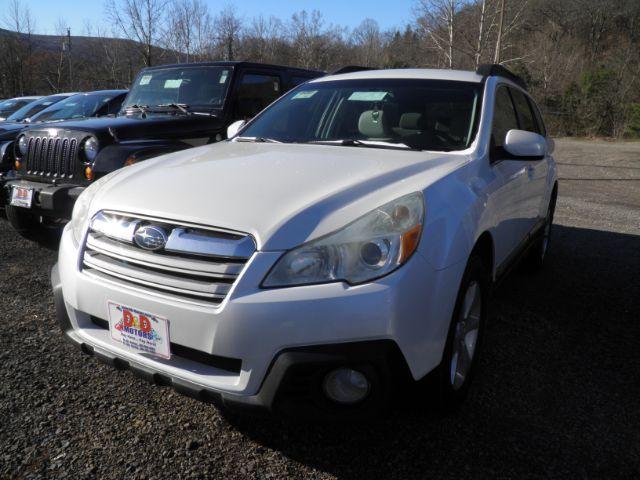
x: 49, y: 200
x: 292, y: 384
x: 392, y: 328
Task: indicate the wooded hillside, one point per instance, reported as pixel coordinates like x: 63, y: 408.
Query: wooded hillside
x: 581, y: 58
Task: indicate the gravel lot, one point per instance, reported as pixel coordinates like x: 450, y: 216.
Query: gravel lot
x: 557, y: 396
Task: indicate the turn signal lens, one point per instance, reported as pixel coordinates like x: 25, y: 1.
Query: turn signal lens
x: 409, y: 242
x: 17, y: 164
x: 88, y: 173
x: 130, y: 161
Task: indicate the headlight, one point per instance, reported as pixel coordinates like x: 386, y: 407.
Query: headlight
x: 80, y: 213
x: 373, y: 246
x: 91, y: 148
x: 23, y: 143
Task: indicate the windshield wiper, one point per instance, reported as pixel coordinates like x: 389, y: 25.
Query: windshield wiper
x: 135, y: 107
x: 183, y: 107
x: 257, y: 140
x: 354, y: 142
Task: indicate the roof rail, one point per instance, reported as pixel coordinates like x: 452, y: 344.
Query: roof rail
x: 350, y: 69
x: 496, y: 70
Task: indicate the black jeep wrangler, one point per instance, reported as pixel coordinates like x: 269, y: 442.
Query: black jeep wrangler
x: 169, y: 108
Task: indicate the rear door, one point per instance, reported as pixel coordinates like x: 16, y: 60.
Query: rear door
x: 536, y: 169
x: 509, y: 195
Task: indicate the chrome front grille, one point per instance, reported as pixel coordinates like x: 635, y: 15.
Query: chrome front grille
x: 52, y: 156
x: 196, y: 264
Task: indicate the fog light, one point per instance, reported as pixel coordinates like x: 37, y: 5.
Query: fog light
x: 345, y: 385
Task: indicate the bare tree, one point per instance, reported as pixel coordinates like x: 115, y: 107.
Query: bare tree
x: 438, y: 21
x: 139, y: 20
x: 264, y: 40
x: 189, y: 30
x: 228, y: 28
x: 19, y: 19
x: 367, y: 39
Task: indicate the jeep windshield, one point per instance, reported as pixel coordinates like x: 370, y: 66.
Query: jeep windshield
x: 411, y: 114
x: 178, y: 90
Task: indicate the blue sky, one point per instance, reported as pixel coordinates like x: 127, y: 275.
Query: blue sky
x: 394, y: 13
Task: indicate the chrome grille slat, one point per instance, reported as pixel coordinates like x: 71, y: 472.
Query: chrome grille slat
x: 133, y: 254
x: 149, y: 277
x: 187, y: 275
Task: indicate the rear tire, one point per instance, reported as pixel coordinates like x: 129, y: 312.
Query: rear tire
x: 538, y: 253
x: 466, y: 331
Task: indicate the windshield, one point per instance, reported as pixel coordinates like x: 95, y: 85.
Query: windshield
x: 9, y: 106
x: 76, y: 106
x: 383, y: 113
x: 31, y: 109
x: 198, y: 88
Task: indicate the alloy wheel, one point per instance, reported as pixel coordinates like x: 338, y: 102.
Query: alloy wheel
x: 466, y: 335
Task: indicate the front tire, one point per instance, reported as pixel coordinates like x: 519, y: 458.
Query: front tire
x: 466, y: 331
x: 28, y: 225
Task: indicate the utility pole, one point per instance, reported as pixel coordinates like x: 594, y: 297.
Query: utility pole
x: 496, y: 58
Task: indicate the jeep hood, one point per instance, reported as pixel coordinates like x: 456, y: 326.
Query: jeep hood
x: 282, y: 194
x: 153, y: 126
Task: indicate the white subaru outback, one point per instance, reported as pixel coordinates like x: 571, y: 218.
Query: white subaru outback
x: 339, y: 246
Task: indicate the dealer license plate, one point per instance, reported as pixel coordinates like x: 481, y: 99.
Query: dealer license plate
x: 21, y: 197
x: 141, y: 331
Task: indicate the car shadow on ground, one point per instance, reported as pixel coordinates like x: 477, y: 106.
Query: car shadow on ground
x: 556, y: 392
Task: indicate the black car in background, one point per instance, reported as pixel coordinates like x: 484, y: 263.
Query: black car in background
x: 59, y: 107
x: 10, y: 105
x: 169, y: 108
x: 31, y: 109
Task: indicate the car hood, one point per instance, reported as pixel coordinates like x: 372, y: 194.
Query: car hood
x: 9, y: 131
x: 135, y: 127
x: 282, y: 194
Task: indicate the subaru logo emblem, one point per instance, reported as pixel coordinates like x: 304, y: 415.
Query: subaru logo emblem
x: 150, y: 237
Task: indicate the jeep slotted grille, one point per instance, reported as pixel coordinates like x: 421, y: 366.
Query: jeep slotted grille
x: 190, y: 263
x: 52, y: 156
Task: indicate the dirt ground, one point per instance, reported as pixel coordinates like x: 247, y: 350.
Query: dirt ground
x: 556, y: 395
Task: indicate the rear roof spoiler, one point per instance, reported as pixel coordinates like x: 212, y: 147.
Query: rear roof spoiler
x: 350, y: 69
x: 495, y: 70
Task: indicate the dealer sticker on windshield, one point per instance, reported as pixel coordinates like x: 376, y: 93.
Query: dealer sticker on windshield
x: 367, y: 96
x: 140, y: 331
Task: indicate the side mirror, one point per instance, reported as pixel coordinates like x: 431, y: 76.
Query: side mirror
x: 528, y: 145
x: 234, y: 128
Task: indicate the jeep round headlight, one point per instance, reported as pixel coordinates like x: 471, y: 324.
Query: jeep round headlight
x: 373, y: 246
x: 91, y: 148
x: 23, y: 143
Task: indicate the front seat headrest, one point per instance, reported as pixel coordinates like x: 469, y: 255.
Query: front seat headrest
x: 373, y: 124
x: 411, y: 121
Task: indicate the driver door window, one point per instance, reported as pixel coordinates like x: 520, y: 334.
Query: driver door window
x: 255, y: 92
x: 504, y: 119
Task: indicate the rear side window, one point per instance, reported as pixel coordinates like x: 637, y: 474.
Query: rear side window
x: 504, y: 118
x: 255, y: 92
x: 525, y: 115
